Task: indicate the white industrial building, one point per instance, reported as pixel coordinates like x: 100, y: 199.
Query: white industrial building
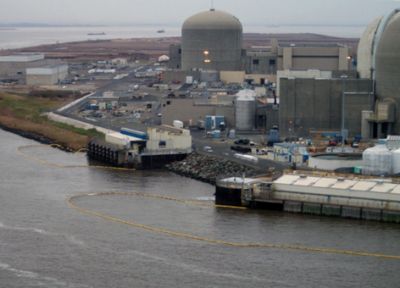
x: 168, y: 138
x: 368, y: 193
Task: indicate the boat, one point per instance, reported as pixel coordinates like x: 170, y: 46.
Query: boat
x: 96, y: 33
x: 161, y: 31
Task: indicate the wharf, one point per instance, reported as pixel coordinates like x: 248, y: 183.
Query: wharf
x: 368, y: 199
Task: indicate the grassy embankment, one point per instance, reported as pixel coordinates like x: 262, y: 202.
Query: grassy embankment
x: 24, y: 113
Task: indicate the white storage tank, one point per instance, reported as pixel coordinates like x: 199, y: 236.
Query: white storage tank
x: 377, y: 160
x: 396, y: 161
x: 177, y: 124
x: 245, y: 110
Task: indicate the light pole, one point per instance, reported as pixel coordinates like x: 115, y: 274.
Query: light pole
x: 343, y: 77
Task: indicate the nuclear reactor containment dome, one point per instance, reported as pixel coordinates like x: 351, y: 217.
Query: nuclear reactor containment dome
x: 212, y: 40
x: 366, y: 49
x: 387, y: 57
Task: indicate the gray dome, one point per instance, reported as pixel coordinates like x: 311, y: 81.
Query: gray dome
x: 212, y: 40
x: 387, y: 57
x: 212, y: 19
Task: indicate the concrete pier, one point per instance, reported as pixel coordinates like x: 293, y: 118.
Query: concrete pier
x: 367, y: 199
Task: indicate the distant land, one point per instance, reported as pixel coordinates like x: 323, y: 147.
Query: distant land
x: 142, y: 48
x: 32, y: 24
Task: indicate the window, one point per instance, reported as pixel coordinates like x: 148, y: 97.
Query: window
x: 162, y: 144
x: 272, y: 61
x: 256, y: 61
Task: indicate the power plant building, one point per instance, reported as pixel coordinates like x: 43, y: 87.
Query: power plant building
x: 373, y: 98
x: 379, y: 60
x: 212, y: 40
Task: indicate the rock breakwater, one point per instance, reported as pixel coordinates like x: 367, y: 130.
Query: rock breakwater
x: 208, y: 168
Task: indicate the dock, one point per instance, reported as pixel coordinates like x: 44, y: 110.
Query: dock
x: 367, y: 199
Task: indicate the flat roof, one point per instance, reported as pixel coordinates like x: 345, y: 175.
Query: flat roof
x: 22, y: 58
x: 46, y: 70
x: 339, y: 183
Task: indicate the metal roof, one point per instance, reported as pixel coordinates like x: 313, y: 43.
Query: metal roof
x: 355, y: 185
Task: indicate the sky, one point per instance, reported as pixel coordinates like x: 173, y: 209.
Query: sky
x: 174, y: 12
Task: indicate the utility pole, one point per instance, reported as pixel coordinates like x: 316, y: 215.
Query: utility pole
x: 343, y: 77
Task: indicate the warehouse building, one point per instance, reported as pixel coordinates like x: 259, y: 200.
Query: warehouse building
x: 14, y: 67
x: 48, y: 75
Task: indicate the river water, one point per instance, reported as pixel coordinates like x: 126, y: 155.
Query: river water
x: 46, y: 243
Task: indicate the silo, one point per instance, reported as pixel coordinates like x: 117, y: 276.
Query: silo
x: 212, y: 40
x: 245, y: 110
x: 396, y: 161
x: 377, y: 161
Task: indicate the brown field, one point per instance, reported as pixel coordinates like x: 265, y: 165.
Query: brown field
x: 24, y: 113
x: 150, y: 48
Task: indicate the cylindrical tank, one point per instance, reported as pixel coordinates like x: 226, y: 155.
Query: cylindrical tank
x: 177, y: 124
x: 245, y: 110
x: 377, y: 161
x: 212, y: 40
x: 396, y: 161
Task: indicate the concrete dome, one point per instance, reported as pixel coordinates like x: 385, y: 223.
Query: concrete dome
x: 387, y: 58
x: 212, y: 40
x: 212, y: 19
x: 366, y: 49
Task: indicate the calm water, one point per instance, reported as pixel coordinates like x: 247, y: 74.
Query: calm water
x: 45, y: 243
x: 24, y: 37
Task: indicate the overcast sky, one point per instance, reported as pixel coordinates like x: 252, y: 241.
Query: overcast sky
x: 174, y: 12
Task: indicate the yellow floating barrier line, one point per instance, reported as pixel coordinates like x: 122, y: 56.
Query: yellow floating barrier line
x: 188, y: 236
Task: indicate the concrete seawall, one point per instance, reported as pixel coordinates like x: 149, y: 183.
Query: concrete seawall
x: 76, y: 123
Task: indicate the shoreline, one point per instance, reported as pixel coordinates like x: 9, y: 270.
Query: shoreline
x: 29, y: 135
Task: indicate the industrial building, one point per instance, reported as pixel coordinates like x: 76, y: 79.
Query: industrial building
x: 310, y: 56
x: 160, y: 145
x: 212, y: 40
x: 190, y: 111
x: 14, y: 67
x: 316, y: 104
x: 368, y: 199
x: 373, y: 97
x: 379, y: 60
x: 48, y: 75
x: 211, y: 50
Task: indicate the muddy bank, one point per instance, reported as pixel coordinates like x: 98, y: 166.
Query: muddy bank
x: 36, y: 137
x: 208, y: 169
